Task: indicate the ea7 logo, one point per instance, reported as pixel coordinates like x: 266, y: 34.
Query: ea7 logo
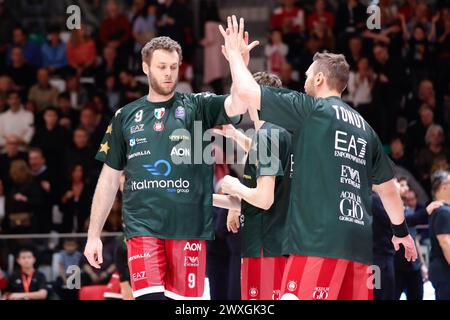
x: 137, y: 128
x: 139, y: 276
x: 192, y: 247
x: 350, y: 144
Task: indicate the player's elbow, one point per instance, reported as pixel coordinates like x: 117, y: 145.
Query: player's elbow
x: 266, y: 202
x: 248, y: 93
x: 386, y: 189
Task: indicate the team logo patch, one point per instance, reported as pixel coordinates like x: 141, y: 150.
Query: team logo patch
x: 158, y: 126
x: 180, y: 113
x: 292, y: 285
x: 159, y: 113
x: 253, y: 292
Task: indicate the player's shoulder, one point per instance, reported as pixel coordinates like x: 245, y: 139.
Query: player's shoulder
x: 130, y: 107
x: 442, y: 212
x: 197, y: 95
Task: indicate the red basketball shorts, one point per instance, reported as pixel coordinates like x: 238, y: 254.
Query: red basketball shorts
x: 175, y: 267
x: 261, y: 278
x: 317, y: 278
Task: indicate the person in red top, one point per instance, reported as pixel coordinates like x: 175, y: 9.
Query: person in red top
x: 3, y: 280
x: 408, y: 9
x: 115, y: 30
x: 289, y: 17
x: 81, y: 51
x: 320, y: 15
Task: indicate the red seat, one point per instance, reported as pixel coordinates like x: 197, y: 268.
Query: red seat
x: 92, y: 292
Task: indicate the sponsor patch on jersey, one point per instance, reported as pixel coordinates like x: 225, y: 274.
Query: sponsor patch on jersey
x: 136, y: 128
x: 159, y: 113
x: 180, y: 113
x: 158, y: 126
x: 135, y: 141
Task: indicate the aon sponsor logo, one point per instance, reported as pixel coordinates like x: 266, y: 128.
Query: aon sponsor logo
x: 180, y: 152
x: 192, y: 246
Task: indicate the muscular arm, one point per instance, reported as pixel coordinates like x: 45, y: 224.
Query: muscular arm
x: 391, y: 201
x: 245, y: 88
x: 233, y: 104
x: 444, y: 242
x: 105, y: 193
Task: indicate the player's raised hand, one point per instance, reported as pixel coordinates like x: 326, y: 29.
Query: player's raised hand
x: 94, y: 252
x: 234, y: 36
x: 247, y: 49
x: 408, y: 244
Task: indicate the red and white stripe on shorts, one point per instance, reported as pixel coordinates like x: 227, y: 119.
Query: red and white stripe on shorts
x: 175, y: 267
x: 261, y: 278
x: 318, y: 278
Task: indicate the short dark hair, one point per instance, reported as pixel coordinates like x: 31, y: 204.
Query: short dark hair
x: 70, y: 240
x: 334, y: 67
x: 64, y: 95
x: 25, y: 249
x: 438, y: 178
x: 401, y: 178
x: 267, y: 79
x: 399, y: 137
x: 160, y: 43
x: 51, y: 108
x: 381, y: 45
x: 37, y: 150
x: 14, y: 91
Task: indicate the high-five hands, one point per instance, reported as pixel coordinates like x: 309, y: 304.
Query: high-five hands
x: 236, y: 39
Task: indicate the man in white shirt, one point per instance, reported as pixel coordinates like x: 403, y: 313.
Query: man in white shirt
x: 16, y: 121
